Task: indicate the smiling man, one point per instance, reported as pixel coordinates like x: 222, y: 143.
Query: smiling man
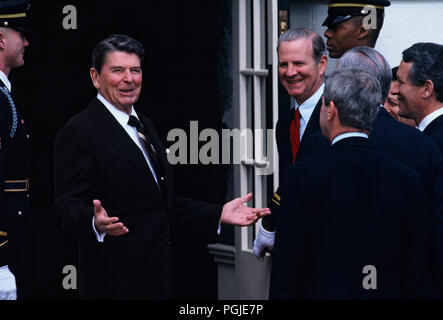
x: 420, y: 88
x: 347, y: 25
x: 302, y: 63
x: 114, y: 187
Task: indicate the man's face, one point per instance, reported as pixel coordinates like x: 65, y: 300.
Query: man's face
x: 15, y: 46
x: 408, y: 95
x: 391, y: 105
x: 299, y: 73
x: 342, y: 37
x: 120, y: 79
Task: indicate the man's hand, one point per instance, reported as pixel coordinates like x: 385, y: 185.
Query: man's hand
x: 105, y: 224
x: 234, y: 212
x: 8, y: 289
x: 264, y: 242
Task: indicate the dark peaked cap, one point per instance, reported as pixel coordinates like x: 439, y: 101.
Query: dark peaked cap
x: 342, y: 10
x: 14, y: 14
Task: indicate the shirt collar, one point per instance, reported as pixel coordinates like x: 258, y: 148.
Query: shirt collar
x: 122, y: 117
x: 307, y: 107
x: 429, y: 118
x: 348, y: 135
x: 5, y: 80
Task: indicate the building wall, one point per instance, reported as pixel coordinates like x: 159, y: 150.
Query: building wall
x: 406, y: 23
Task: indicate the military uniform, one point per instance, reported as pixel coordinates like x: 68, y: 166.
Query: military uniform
x: 15, y: 214
x: 15, y: 224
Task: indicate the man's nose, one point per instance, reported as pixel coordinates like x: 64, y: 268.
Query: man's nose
x: 327, y: 33
x: 394, y: 88
x: 291, y: 71
x: 128, y: 77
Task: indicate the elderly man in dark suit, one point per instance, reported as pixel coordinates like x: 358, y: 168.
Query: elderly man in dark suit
x: 15, y: 213
x: 350, y: 209
x: 420, y: 88
x: 114, y: 187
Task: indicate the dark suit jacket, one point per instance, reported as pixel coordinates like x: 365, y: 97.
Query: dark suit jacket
x: 282, y: 136
x: 342, y: 210
x: 435, y: 130
x: 418, y: 151
x: 308, y: 146
x: 15, y: 214
x: 96, y: 159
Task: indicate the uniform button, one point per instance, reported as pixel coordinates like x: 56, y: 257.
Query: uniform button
x: 163, y: 179
x: 20, y: 213
x: 27, y: 195
x: 27, y: 136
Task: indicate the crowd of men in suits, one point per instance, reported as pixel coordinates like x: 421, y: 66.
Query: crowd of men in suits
x: 370, y: 195
x: 358, y: 215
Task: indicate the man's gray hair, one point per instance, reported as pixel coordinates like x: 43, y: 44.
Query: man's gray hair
x: 371, y: 61
x: 318, y: 45
x: 356, y: 94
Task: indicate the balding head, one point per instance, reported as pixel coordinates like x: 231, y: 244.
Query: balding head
x: 372, y: 62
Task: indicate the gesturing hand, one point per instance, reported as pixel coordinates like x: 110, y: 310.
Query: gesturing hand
x: 234, y: 212
x: 105, y: 224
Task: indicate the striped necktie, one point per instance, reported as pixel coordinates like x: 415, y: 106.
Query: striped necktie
x: 149, y: 147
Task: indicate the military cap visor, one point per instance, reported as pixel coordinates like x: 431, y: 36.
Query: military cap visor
x: 341, y: 10
x: 14, y: 14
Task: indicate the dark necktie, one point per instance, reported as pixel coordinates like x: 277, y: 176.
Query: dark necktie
x: 294, y: 131
x: 149, y: 147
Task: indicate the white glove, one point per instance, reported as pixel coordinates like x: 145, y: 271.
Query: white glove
x: 8, y: 289
x: 264, y: 240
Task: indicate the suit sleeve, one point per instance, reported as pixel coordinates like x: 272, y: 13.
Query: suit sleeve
x: 73, y: 164
x: 294, y: 227
x: 197, y: 217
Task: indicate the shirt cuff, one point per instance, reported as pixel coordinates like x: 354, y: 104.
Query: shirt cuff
x: 99, y: 236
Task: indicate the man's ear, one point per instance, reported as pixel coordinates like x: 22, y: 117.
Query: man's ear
x: 94, y: 77
x: 332, y: 111
x: 323, y: 63
x: 3, y: 39
x: 363, y: 33
x: 428, y: 89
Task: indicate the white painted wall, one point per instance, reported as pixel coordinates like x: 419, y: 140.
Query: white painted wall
x: 408, y: 22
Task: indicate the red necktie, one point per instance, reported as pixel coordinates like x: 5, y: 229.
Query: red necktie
x: 294, y: 131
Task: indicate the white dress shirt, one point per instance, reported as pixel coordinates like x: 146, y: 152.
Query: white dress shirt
x: 307, y: 107
x: 429, y: 118
x: 5, y: 80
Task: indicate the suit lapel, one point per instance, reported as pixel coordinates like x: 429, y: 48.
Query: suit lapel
x: 120, y: 139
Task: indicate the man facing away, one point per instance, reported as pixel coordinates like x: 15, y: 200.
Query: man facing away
x: 350, y: 209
